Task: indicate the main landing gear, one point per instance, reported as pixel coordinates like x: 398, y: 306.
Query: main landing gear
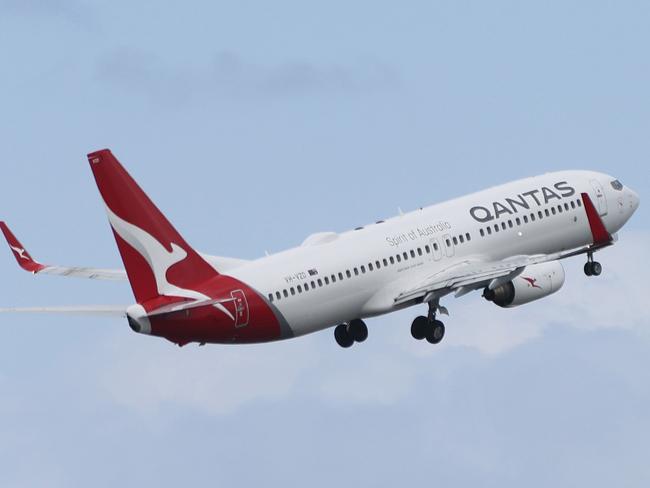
x: 429, y: 327
x: 348, y: 334
x: 592, y: 268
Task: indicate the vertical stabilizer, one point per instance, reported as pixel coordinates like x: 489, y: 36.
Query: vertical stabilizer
x: 158, y: 261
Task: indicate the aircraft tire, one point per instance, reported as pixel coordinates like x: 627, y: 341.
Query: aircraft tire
x: 358, y: 330
x: 342, y: 337
x: 419, y: 328
x: 436, y: 332
x: 596, y: 268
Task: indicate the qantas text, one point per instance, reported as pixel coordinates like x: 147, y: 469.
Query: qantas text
x: 523, y: 201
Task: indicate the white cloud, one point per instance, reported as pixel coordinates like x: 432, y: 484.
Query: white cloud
x: 229, y: 76
x: 215, y: 380
x: 379, y: 379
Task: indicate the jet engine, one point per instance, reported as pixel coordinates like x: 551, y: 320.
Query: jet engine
x: 537, y: 281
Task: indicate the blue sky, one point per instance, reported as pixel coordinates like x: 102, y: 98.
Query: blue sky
x: 254, y: 124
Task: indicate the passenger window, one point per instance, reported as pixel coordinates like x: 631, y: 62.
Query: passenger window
x: 293, y: 292
x: 341, y: 276
x: 468, y: 236
x: 278, y: 295
x: 553, y: 211
x: 399, y: 260
x: 540, y: 215
x: 427, y: 249
x: 392, y: 260
x: 327, y: 280
x: 385, y: 262
x: 510, y: 224
x: 532, y: 217
x: 482, y: 232
x: 419, y: 251
x: 406, y: 256
x: 503, y: 225
x: 579, y: 203
x: 363, y: 269
x: 313, y: 285
x: 271, y: 297
x: 299, y: 289
x: 320, y: 282
x: 496, y: 228
x: 518, y: 220
x: 285, y: 293
x: 525, y: 219
x: 435, y: 246
x: 378, y: 264
x: 356, y: 271
x: 489, y: 230
x: 461, y: 239
x: 455, y: 241
x: 348, y: 274
x: 412, y: 253
x: 548, y: 214
x: 566, y: 206
x: 370, y: 268
x: 559, y: 208
x: 573, y: 204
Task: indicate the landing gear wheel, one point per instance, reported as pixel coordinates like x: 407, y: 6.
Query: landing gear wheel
x: 419, y: 328
x: 596, y: 268
x: 342, y: 337
x: 593, y: 268
x: 357, y: 330
x: 436, y: 332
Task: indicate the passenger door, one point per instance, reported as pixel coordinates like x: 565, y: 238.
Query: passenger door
x: 601, y: 200
x: 449, y: 245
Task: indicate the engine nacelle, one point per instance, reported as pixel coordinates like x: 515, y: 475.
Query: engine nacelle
x: 537, y: 281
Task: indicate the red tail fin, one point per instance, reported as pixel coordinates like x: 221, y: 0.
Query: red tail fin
x: 158, y: 261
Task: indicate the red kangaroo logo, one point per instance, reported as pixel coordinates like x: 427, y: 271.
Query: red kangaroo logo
x: 532, y: 282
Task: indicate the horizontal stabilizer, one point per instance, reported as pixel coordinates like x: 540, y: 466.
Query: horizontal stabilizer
x: 26, y: 262
x: 184, y: 306
x: 88, y: 310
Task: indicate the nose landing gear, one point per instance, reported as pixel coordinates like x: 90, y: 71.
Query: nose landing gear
x: 592, y: 268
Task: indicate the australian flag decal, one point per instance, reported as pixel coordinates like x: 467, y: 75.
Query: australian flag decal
x: 312, y: 272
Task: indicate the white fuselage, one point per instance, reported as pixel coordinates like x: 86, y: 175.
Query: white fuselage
x: 300, y: 281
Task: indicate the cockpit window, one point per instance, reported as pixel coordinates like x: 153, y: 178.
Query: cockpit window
x: 617, y: 185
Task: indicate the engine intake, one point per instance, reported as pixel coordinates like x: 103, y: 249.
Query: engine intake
x: 537, y: 281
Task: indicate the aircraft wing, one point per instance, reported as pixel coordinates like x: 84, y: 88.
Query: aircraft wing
x: 473, y: 274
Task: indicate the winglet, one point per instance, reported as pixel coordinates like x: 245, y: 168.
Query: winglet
x: 598, y: 230
x: 23, y: 258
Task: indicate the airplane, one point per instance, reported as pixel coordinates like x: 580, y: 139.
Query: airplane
x: 506, y: 242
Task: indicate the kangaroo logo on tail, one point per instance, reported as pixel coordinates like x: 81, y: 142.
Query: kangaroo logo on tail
x: 158, y: 258
x: 21, y: 252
